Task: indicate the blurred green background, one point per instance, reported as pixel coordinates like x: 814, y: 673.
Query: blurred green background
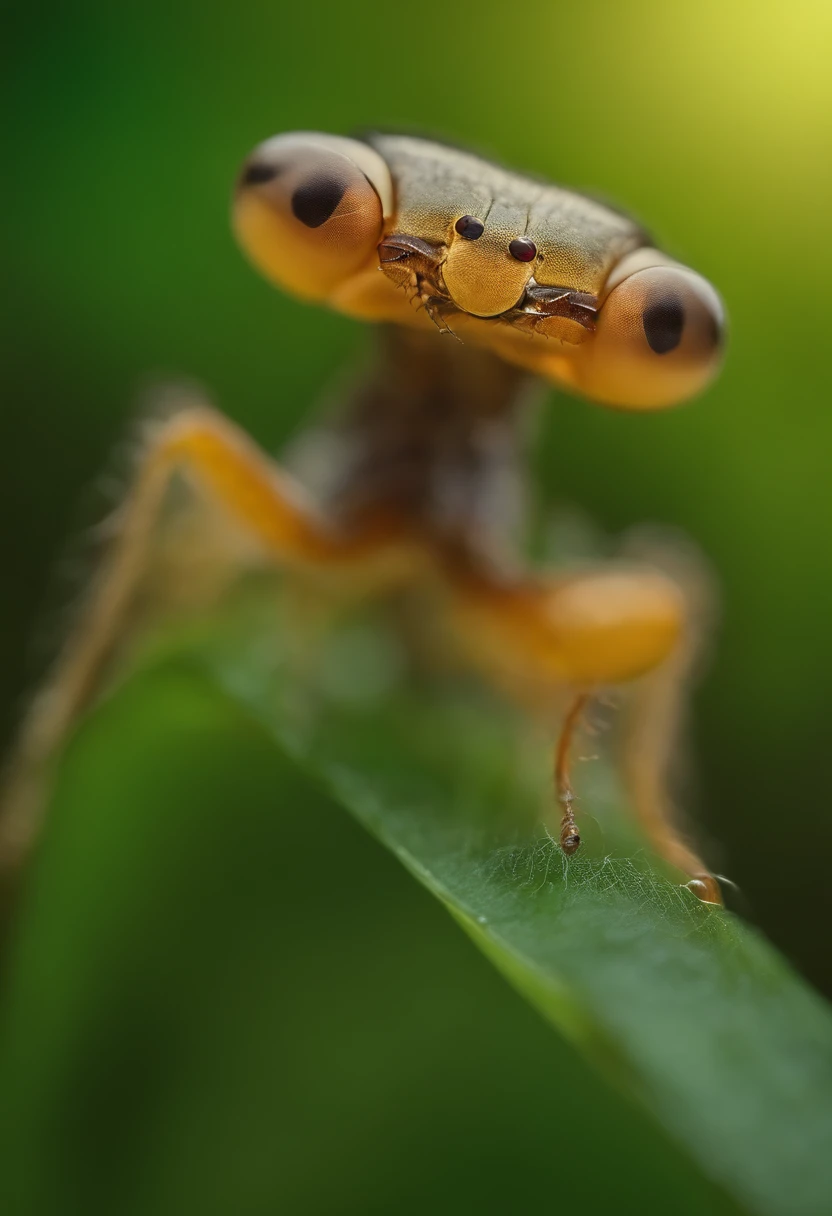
x: 712, y: 123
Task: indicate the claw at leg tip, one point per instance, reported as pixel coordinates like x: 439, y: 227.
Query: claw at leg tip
x: 570, y: 843
x: 707, y: 890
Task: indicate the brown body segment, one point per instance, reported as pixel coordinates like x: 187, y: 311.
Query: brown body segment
x: 533, y: 279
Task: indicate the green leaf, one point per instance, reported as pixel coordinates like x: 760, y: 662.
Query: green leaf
x: 684, y: 1007
x: 688, y: 1014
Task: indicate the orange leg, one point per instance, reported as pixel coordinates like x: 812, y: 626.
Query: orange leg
x: 580, y: 633
x: 202, y: 445
x: 588, y: 631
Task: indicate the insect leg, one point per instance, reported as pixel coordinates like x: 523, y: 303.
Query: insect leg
x: 584, y: 633
x: 201, y: 444
x: 570, y: 837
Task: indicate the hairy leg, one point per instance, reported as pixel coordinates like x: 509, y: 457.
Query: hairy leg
x: 584, y: 632
x: 205, y: 447
x: 577, y: 633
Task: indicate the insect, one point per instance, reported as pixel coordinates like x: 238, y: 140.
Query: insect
x: 481, y: 280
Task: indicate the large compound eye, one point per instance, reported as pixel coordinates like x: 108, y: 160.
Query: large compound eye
x: 658, y: 335
x: 309, y: 209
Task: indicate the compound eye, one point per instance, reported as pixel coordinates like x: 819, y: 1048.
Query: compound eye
x: 309, y: 210
x: 658, y: 337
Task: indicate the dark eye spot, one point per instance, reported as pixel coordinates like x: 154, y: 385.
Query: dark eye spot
x: 256, y: 175
x: 315, y: 199
x: 663, y: 323
x: 523, y: 249
x: 469, y: 227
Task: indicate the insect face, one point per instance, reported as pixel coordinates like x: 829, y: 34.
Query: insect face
x: 545, y: 278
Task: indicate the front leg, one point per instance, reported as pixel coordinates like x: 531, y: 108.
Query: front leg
x: 582, y: 633
x: 206, y: 448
